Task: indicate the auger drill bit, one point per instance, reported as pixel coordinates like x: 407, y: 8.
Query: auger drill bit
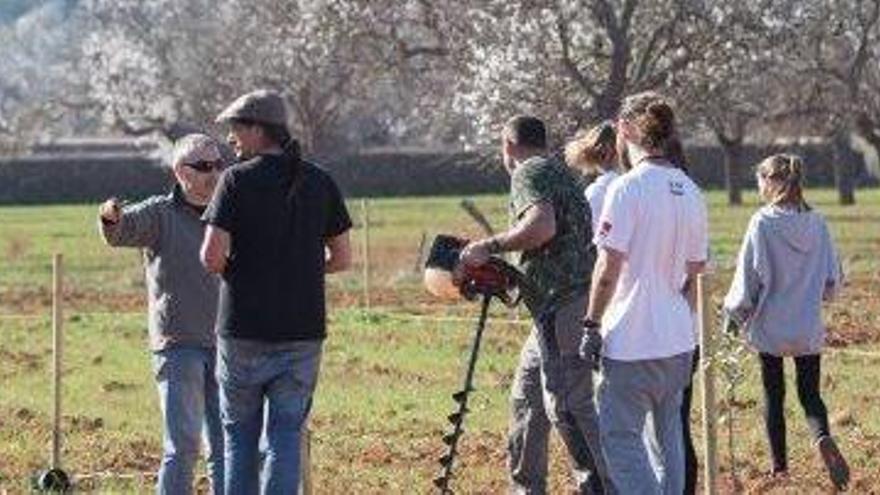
x: 461, y: 397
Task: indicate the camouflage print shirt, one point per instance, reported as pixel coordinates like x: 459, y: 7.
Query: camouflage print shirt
x: 561, y: 268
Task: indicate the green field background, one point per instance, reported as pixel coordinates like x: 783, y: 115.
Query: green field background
x: 388, y: 367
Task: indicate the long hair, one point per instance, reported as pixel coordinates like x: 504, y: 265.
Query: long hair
x: 292, y: 151
x: 280, y: 135
x: 592, y: 149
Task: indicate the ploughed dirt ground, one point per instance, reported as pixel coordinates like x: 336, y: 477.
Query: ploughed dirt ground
x: 400, y: 456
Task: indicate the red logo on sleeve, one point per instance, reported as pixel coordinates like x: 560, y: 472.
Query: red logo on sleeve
x: 605, y: 229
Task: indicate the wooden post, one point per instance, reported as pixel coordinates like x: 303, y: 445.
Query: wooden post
x: 365, y: 251
x: 707, y: 380
x: 478, y: 216
x: 305, y: 462
x: 420, y: 254
x: 57, y: 349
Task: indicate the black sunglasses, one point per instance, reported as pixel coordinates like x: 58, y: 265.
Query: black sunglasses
x: 205, y: 166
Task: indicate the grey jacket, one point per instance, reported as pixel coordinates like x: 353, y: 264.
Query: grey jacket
x: 182, y: 296
x: 787, y: 266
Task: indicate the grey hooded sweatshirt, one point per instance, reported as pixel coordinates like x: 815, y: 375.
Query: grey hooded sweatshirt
x: 787, y: 266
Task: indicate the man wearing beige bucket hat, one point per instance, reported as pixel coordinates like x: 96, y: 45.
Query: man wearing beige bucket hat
x: 276, y: 225
x: 182, y: 302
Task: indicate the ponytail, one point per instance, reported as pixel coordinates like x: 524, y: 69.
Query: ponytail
x: 290, y: 148
x: 592, y: 149
x: 291, y: 151
x: 293, y: 154
x: 785, y: 176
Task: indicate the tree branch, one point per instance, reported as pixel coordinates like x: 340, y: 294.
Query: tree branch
x: 646, y: 59
x: 583, y: 81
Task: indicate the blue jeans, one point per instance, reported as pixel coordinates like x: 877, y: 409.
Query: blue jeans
x: 271, y: 386
x: 188, y: 397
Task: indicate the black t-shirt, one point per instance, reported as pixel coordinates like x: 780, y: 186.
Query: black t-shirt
x: 273, y: 287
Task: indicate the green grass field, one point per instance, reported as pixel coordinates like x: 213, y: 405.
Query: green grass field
x: 387, y: 373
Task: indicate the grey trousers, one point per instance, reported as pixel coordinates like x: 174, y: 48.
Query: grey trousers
x: 554, y: 386
x: 640, y: 423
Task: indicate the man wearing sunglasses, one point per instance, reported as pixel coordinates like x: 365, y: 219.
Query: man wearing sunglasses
x: 182, y: 307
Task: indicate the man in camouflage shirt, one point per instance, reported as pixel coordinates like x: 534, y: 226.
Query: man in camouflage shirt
x: 550, y: 227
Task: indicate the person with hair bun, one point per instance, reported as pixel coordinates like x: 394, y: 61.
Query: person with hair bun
x: 787, y: 266
x: 594, y: 151
x: 652, y: 242
x: 277, y: 225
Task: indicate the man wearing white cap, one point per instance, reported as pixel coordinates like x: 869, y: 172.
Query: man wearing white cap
x: 182, y: 306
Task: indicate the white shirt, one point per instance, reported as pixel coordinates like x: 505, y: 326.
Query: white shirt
x: 656, y: 216
x: 595, y: 194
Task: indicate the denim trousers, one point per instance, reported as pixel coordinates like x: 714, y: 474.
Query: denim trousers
x: 188, y: 396
x: 265, y: 392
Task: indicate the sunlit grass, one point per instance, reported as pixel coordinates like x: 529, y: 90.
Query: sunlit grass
x: 386, y: 377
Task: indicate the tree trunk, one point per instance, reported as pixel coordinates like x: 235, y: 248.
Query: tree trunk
x: 733, y: 152
x: 866, y: 128
x: 733, y: 157
x: 874, y: 140
x: 844, y: 161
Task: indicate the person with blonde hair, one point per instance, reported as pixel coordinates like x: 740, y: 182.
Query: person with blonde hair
x: 787, y: 266
x: 652, y: 242
x: 594, y: 151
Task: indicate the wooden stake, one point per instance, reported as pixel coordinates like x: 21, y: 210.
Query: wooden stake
x: 478, y: 216
x: 57, y: 350
x: 305, y: 449
x: 365, y: 251
x: 420, y: 254
x: 707, y: 379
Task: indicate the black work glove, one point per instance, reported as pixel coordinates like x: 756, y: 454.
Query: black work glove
x: 591, y: 344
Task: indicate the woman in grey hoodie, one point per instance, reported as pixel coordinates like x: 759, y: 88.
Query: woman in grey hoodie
x: 787, y: 266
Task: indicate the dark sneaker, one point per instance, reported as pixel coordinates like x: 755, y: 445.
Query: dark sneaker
x: 838, y: 470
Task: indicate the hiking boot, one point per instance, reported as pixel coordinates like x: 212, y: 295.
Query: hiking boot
x: 838, y: 470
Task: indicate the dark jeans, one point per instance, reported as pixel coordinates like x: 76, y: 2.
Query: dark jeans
x: 690, y: 455
x: 808, y: 371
